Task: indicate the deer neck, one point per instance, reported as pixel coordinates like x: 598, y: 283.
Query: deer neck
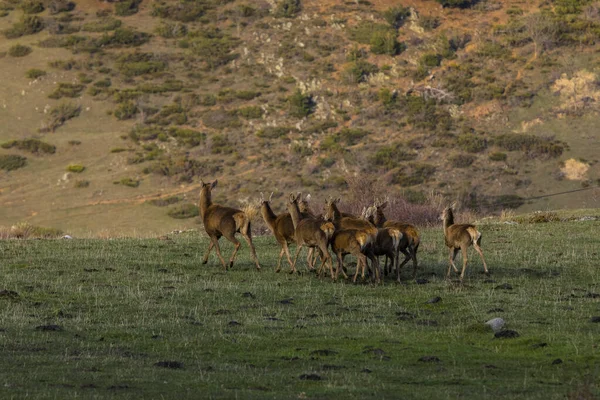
x: 268, y: 214
x: 448, y: 220
x: 379, y: 218
x: 205, y: 202
x: 294, y: 213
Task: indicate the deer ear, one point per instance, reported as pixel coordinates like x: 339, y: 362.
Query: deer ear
x: 292, y: 197
x: 214, y: 184
x: 384, y: 205
x: 271, y: 196
x: 307, y: 197
x: 336, y: 201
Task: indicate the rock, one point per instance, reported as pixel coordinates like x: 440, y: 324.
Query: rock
x: 595, y: 319
x: 169, y: 364
x: 434, y: 300
x: 310, y: 377
x: 496, y: 324
x: 506, y: 334
x: 557, y: 361
x: 430, y: 359
x: 505, y: 286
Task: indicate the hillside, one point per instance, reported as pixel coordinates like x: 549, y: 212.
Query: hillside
x: 111, y: 113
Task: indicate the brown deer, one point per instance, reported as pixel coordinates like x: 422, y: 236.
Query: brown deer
x: 351, y: 241
x: 460, y: 237
x: 386, y: 242
x: 310, y: 232
x: 346, y: 222
x: 225, y: 221
x: 410, y: 241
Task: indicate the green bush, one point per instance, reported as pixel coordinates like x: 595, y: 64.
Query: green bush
x: 163, y: 202
x: 351, y: 136
x: 300, y: 105
x: 396, y: 16
x: 67, y: 90
x: 497, y: 156
x: 32, y: 7
x: 458, y: 3
x: 183, y: 211
x: 532, y: 145
x: 246, y: 94
x: 358, y: 71
x: 137, y: 64
x: 365, y: 30
x: 273, y: 132
x: 123, y: 37
x: 18, y: 50
x: 187, y: 137
x: 221, y: 119
x: 461, y: 160
x: 385, y: 43
x: 58, y: 6
x: 221, y: 145
x: 251, y: 112
x: 170, y: 114
x: 184, y: 11
x: 431, y: 60
x: 471, y: 143
x: 287, y: 8
x: 27, y: 25
x: 128, y: 182
x: 10, y: 162
x: 76, y: 168
x: 414, y: 174
x: 34, y: 146
x: 429, y: 22
x: 102, y: 25
x: 213, y: 48
x: 171, y: 30
x: 126, y: 110
x: 127, y: 7
x: 391, y: 156
x: 60, y: 114
x: 34, y: 73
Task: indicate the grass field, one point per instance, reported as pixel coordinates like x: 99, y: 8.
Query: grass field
x: 143, y: 318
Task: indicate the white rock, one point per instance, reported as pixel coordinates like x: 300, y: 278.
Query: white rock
x: 496, y: 324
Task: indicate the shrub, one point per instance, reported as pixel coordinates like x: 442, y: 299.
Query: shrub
x: 364, y: 31
x: 213, y: 48
x: 300, y: 105
x: 532, y: 145
x: 59, y: 115
x: 80, y: 184
x: 102, y: 25
x: 287, y: 8
x: 34, y: 73
x: 24, y: 230
x: 66, y: 90
x: 221, y: 145
x: 34, y: 146
x: 273, y: 132
x: 461, y: 160
x: 429, y: 22
x: 126, y: 7
x: 187, y: 137
x: 415, y: 174
x: 358, y: 71
x: 76, y: 168
x: 183, y: 211
x: 472, y: 143
x: 27, y: 25
x: 126, y: 110
x: 390, y: 156
x: 457, y: 3
x: 137, y: 64
x: 251, y: 112
x: 170, y: 30
x: 185, y: 11
x: 32, y: 7
x: 431, y: 60
x: 10, y: 162
x: 351, y: 136
x: 385, y: 43
x: 123, y: 37
x: 58, y: 6
x: 128, y: 182
x: 498, y: 156
x: 396, y: 16
x: 19, y: 50
x: 220, y: 119
x: 246, y: 94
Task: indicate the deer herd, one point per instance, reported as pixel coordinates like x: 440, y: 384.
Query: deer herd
x: 366, y: 237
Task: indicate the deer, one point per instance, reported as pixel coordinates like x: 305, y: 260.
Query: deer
x: 225, y: 221
x: 460, y: 237
x: 386, y: 242
x: 351, y: 241
x: 409, y: 244
x: 282, y: 228
x: 310, y: 232
x: 346, y: 222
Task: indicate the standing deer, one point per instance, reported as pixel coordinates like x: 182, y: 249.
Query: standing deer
x: 310, y: 232
x: 386, y: 242
x: 350, y: 241
x: 460, y: 237
x: 410, y: 241
x: 225, y: 221
x: 345, y: 222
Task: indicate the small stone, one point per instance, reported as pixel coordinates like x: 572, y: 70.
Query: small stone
x: 506, y: 334
x: 434, y: 300
x: 595, y: 319
x: 505, y: 286
x: 496, y: 324
x: 430, y: 359
x: 49, y: 328
x: 310, y: 377
x: 557, y: 361
x: 169, y: 364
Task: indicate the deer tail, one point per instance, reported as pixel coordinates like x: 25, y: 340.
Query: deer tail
x: 475, y: 235
x: 363, y: 239
x: 328, y: 228
x: 396, y: 237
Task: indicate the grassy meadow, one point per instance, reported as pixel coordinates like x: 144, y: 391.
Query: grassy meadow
x: 143, y: 318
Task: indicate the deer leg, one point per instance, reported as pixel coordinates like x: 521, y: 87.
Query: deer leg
x: 414, y: 258
x: 375, y: 266
x: 325, y: 252
x: 464, y: 256
x: 218, y: 250
x: 478, y: 249
x: 298, y: 248
x: 278, y: 268
x: 210, y: 246
x: 286, y: 249
x: 407, y: 258
x: 310, y: 258
x: 451, y: 258
x: 248, y: 238
x: 236, y: 244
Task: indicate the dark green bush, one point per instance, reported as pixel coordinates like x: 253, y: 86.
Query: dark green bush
x: 128, y: 182
x: 429, y: 22
x: 34, y: 73
x: 458, y: 3
x: 183, y: 211
x: 187, y: 137
x: 396, y: 16
x: 127, y: 7
x: 136, y: 64
x: 34, y: 146
x: 10, y: 162
x: 123, y: 37
x: 221, y: 119
x: 273, y: 132
x: 67, y: 90
x: 18, y: 50
x: 27, y: 25
x: 358, y: 71
x: 351, y: 136
x: 365, y: 30
x: 170, y: 114
x: 60, y: 114
x: 246, y: 94
x: 144, y: 133
x: 385, y: 43
x: 171, y: 30
x: 220, y: 144
x: 461, y: 160
x: 300, y: 105
x: 80, y: 184
x: 287, y: 8
x: 392, y: 155
x: 431, y: 60
x: 426, y: 114
x: 102, y: 25
x: 414, y: 174
x: 32, y: 7
x: 251, y: 112
x: 471, y: 143
x: 213, y: 47
x: 163, y: 202
x: 184, y: 11
x: 58, y: 6
x: 532, y: 145
x: 126, y: 110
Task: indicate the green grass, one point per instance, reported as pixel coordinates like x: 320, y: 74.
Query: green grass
x: 124, y: 305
